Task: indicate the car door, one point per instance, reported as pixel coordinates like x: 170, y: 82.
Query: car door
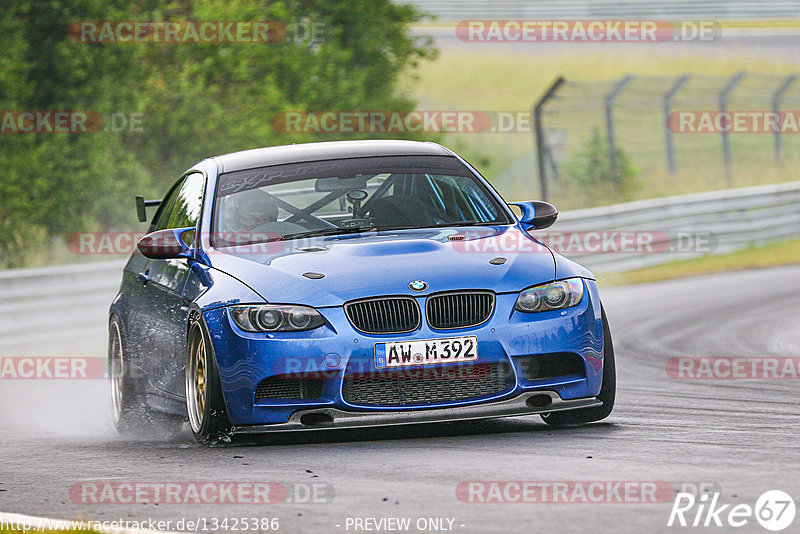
x: 166, y: 280
x: 141, y: 329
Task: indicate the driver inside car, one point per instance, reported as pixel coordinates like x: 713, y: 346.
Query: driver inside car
x: 241, y: 217
x: 254, y: 209
x: 252, y: 217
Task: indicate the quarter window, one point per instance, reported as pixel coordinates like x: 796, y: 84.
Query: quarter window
x: 188, y: 203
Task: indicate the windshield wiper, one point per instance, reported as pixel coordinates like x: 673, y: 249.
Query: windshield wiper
x: 388, y: 228
x: 428, y: 226
x: 330, y: 231
x: 461, y: 223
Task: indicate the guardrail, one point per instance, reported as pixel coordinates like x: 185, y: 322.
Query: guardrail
x: 63, y: 308
x: 66, y: 307
x: 728, y: 220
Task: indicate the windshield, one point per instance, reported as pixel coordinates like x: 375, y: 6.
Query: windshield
x: 297, y: 200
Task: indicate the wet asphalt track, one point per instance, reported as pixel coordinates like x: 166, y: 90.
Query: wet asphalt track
x: 740, y: 435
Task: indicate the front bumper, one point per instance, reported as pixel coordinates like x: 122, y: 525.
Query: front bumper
x: 333, y: 418
x: 337, y: 350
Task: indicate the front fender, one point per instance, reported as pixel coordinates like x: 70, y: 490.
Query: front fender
x: 566, y: 268
x: 208, y: 288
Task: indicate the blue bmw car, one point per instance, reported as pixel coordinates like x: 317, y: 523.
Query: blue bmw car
x: 350, y: 284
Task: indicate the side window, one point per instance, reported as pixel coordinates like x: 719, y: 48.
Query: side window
x: 161, y: 219
x: 188, y: 204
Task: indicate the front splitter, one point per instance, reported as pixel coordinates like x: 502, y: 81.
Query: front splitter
x: 334, y: 418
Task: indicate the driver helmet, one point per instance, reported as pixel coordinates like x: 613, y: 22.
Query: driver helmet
x: 255, y: 207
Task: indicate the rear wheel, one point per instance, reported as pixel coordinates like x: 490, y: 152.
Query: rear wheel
x: 204, y: 401
x: 129, y: 409
x: 607, y: 390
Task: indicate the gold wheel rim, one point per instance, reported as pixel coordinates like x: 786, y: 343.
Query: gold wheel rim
x: 200, y: 377
x: 197, y: 380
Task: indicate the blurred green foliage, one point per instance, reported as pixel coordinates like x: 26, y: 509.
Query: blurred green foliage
x: 592, y: 180
x: 195, y: 99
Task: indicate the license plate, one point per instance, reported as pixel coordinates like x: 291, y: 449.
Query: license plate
x: 426, y: 352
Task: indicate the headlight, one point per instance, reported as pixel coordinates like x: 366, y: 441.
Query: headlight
x: 276, y: 318
x: 552, y: 296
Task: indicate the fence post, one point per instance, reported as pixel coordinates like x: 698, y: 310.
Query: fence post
x: 776, y: 106
x: 668, y: 96
x: 612, y: 141
x: 539, y: 142
x: 726, y: 142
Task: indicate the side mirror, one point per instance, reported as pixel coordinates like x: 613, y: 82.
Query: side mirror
x: 537, y: 214
x: 165, y: 244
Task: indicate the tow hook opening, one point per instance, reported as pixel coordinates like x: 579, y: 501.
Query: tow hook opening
x: 316, y: 419
x: 539, y: 401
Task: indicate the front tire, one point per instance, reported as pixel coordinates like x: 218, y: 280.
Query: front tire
x: 607, y: 393
x: 204, y: 401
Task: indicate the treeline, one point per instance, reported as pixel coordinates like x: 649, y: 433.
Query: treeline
x: 95, y: 113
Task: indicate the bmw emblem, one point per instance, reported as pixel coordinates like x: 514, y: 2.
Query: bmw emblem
x: 418, y: 285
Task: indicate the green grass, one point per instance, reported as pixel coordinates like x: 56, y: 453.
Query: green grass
x: 501, y: 79
x: 783, y: 253
x: 495, y: 77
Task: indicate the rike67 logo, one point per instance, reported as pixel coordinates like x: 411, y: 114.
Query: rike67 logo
x: 774, y: 510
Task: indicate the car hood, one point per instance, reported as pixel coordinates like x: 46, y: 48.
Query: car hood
x: 502, y: 259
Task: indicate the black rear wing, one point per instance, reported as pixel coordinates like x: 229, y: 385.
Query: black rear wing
x: 142, y: 204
